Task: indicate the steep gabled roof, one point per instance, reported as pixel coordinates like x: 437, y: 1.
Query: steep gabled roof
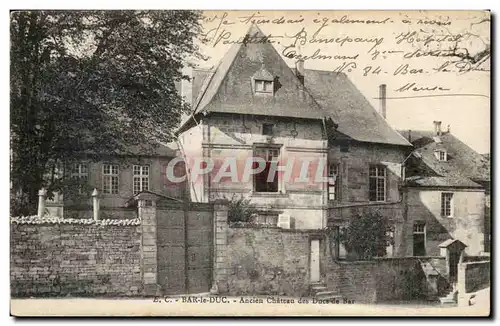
x: 463, y: 163
x: 355, y: 116
x: 229, y: 88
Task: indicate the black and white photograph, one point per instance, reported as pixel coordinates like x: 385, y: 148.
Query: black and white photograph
x: 250, y: 163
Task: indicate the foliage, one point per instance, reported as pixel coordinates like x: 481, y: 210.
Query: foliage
x: 94, y: 82
x: 241, y: 210
x: 367, y: 236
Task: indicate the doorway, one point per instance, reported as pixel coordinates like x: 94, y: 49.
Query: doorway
x: 314, y: 269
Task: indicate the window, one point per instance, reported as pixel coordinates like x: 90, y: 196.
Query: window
x: 441, y: 155
x: 141, y: 178
x: 344, y: 146
x: 263, y: 86
x: 268, y: 218
x: 377, y: 183
x: 339, y: 251
x: 110, y: 178
x: 419, y: 239
x: 267, y: 129
x: 261, y: 182
x: 447, y: 204
x: 80, y: 172
x: 389, y: 249
x: 333, y: 181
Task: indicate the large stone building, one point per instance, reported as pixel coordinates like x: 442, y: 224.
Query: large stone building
x: 448, y: 189
x: 254, y: 104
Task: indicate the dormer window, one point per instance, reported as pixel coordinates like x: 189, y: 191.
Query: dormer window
x: 441, y: 155
x: 263, y: 86
x: 263, y: 81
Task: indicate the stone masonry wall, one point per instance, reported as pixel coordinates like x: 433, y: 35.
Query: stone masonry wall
x: 268, y: 261
x: 477, y: 275
x: 384, y: 279
x: 83, y: 259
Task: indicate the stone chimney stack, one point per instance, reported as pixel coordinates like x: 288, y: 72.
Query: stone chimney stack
x: 382, y: 100
x: 437, y: 128
x: 187, y: 86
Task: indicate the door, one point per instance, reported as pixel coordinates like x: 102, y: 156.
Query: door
x: 314, y: 260
x: 454, y: 260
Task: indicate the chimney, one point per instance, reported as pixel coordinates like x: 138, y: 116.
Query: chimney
x: 382, y: 98
x: 448, y: 129
x: 437, y: 128
x: 409, y: 135
x: 186, y: 86
x: 299, y: 67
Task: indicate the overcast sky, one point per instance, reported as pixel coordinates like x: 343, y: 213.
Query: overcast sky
x: 357, y: 35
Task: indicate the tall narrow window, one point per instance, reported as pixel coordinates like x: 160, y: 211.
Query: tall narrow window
x: 110, y: 179
x: 377, y: 187
x: 389, y: 250
x: 339, y: 248
x: 141, y: 178
x: 261, y: 181
x: 419, y: 239
x: 80, y: 172
x: 333, y: 181
x: 447, y: 204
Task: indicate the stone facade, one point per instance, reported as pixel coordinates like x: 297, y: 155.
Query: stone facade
x: 467, y: 223
x: 158, y: 182
x: 234, y: 136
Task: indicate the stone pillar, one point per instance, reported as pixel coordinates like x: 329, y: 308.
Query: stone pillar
x: 462, y: 298
x: 149, y: 260
x: 96, y: 204
x: 221, y: 264
x: 42, y: 193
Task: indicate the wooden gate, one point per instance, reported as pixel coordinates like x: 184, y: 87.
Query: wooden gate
x: 185, y: 248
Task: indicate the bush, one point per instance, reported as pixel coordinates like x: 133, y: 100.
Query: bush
x: 241, y: 210
x: 367, y: 236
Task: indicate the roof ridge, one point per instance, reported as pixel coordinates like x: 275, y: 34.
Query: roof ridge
x: 236, y: 48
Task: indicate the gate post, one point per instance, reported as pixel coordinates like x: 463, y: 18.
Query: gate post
x: 219, y: 283
x: 149, y: 262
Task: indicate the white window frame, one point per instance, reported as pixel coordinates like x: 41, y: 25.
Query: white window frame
x: 339, y: 244
x: 141, y: 176
x: 423, y: 231
x: 333, y: 181
x: 107, y: 179
x: 268, y: 155
x: 263, y: 83
x: 377, y: 176
x: 443, y: 204
x: 441, y: 155
x: 77, y: 171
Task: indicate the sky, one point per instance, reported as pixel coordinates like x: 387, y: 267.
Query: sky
x: 386, y: 47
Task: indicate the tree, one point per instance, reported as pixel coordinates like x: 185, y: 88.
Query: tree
x: 367, y: 236
x: 94, y: 82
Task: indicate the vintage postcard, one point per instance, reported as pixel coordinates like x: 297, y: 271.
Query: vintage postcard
x: 250, y: 163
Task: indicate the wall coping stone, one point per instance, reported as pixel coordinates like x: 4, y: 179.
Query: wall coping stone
x: 57, y: 220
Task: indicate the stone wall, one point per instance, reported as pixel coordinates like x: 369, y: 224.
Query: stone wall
x: 477, y: 275
x: 386, y: 279
x: 268, y: 261
x: 85, y: 258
